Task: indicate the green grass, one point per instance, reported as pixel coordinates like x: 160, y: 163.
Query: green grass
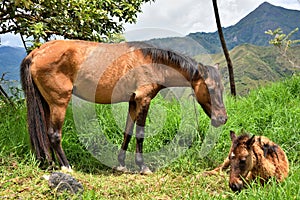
x: 273, y: 111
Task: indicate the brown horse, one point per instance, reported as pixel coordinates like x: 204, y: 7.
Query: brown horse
x: 108, y: 73
x: 251, y: 158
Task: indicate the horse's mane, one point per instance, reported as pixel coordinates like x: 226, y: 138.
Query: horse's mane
x: 185, y: 63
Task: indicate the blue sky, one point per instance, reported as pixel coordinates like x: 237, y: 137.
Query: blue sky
x: 166, y: 18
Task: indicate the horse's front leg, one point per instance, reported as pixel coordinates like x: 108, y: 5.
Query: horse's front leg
x: 142, y: 111
x: 127, y: 136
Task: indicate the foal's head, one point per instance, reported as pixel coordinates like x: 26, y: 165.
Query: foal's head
x: 210, y: 94
x: 240, y: 157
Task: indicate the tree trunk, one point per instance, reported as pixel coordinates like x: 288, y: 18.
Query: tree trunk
x: 225, y: 50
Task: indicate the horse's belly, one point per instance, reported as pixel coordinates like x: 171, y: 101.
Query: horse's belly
x: 104, y: 93
x: 115, y: 93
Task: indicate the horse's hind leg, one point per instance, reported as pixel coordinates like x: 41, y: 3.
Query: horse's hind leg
x: 127, y: 135
x: 51, y: 160
x: 57, y: 116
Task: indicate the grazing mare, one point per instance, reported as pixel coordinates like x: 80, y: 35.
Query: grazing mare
x: 108, y: 73
x: 253, y: 157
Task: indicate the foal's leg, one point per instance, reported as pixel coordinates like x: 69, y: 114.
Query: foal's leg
x: 142, y: 111
x: 127, y: 135
x: 219, y: 169
x: 57, y: 116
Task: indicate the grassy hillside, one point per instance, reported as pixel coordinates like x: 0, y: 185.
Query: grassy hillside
x: 255, y: 66
x: 272, y: 111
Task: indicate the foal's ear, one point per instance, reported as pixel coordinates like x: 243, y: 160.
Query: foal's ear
x: 250, y: 142
x: 217, y: 66
x: 232, y: 135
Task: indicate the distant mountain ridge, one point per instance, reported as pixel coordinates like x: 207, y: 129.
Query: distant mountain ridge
x: 249, y: 30
x: 10, y: 60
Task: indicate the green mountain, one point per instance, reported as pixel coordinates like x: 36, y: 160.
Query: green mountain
x: 10, y: 60
x: 255, y: 66
x: 251, y: 30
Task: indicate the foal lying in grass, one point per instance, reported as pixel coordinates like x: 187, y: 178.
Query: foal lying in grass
x: 251, y: 158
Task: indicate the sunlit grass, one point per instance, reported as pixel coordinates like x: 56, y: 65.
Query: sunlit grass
x: 273, y: 111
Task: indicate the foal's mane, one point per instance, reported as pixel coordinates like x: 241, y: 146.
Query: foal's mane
x: 243, y: 137
x: 172, y: 58
x: 240, y: 140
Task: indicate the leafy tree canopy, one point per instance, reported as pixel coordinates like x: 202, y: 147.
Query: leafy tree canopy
x: 280, y: 39
x: 95, y: 20
x: 283, y: 43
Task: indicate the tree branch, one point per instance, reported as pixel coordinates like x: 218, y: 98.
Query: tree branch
x: 4, y: 95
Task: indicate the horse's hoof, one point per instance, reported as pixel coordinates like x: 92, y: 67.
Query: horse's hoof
x: 121, y: 168
x: 145, y: 171
x: 66, y: 169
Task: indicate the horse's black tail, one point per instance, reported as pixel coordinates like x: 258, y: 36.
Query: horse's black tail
x: 37, y: 113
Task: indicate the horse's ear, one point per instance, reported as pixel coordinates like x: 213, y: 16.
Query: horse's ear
x: 250, y: 142
x: 232, y: 135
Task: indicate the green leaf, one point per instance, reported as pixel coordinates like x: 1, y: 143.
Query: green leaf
x: 73, y: 19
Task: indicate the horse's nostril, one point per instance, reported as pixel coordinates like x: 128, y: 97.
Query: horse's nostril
x: 225, y: 119
x: 222, y: 119
x: 235, y: 187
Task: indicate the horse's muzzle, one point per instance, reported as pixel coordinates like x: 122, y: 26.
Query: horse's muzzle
x: 236, y: 187
x: 219, y: 120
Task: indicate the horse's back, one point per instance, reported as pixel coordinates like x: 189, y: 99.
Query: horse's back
x: 57, y: 52
x: 272, y: 158
x: 67, y: 55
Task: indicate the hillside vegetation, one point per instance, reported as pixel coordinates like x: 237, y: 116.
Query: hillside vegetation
x: 255, y: 66
x: 272, y: 111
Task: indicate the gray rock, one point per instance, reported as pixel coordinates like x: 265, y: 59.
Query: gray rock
x: 64, y: 182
